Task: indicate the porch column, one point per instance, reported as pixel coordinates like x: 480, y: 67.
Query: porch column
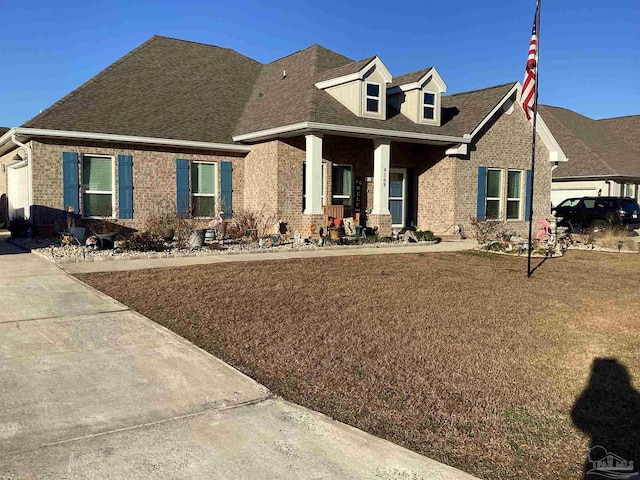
x: 313, y: 172
x: 381, y: 160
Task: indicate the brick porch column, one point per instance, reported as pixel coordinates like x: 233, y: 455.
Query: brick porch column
x: 380, y: 216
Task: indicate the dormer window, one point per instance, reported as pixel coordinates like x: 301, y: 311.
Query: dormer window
x: 428, y: 106
x: 372, y: 99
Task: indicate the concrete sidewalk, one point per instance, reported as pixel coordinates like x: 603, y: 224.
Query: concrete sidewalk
x: 121, y: 265
x: 91, y: 389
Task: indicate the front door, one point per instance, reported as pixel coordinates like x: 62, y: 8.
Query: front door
x: 397, y: 193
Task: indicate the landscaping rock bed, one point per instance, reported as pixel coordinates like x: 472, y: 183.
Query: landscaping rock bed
x: 53, y: 251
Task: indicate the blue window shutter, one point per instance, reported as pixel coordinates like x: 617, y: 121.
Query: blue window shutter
x: 226, y: 188
x: 482, y: 193
x: 125, y: 186
x: 182, y: 187
x: 527, y: 198
x: 70, y: 184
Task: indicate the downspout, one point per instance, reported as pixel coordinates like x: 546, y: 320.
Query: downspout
x: 29, y: 171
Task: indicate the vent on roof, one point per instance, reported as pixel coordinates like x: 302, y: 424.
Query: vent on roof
x: 284, y: 74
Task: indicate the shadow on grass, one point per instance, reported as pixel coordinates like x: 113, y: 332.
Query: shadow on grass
x: 608, y: 410
x: 533, y: 270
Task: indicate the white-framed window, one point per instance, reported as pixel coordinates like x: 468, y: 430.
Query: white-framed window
x: 97, y: 186
x: 341, y: 184
x: 203, y: 189
x: 514, y: 194
x: 304, y: 184
x: 372, y: 94
x: 494, y: 194
x: 428, y: 106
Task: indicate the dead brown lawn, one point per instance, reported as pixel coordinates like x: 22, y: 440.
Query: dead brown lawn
x: 456, y: 356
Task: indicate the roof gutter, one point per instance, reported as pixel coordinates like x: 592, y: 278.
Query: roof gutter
x: 305, y: 127
x: 108, y: 137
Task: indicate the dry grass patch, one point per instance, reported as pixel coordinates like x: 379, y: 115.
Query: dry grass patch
x: 456, y: 356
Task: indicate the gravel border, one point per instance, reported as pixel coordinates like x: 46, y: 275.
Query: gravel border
x: 51, y: 250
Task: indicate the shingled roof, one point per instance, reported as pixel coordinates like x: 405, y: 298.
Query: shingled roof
x: 3, y: 130
x: 165, y: 88
x: 595, y: 148
x: 409, y: 77
x: 278, y: 100
x: 176, y: 89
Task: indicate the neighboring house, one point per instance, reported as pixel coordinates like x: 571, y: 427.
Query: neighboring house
x: 208, y: 128
x: 604, y: 154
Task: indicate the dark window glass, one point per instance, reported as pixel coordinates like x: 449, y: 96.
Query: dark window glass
x: 372, y: 105
x: 373, y: 90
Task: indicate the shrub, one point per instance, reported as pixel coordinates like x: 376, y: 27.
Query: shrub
x: 425, y: 236
x: 161, y: 215
x: 484, y: 230
x: 144, y: 242
x: 258, y: 223
x: 615, y: 237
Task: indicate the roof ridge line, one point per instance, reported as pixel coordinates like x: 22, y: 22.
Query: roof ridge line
x: 92, y: 80
x: 481, y: 89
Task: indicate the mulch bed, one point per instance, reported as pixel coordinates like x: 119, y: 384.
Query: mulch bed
x: 457, y: 356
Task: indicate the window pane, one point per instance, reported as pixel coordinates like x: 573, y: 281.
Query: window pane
x: 203, y: 178
x: 373, y: 90
x: 97, y: 205
x: 493, y: 209
x: 591, y: 203
x: 428, y: 113
x: 395, y: 207
x: 513, y: 184
x: 372, y: 105
x: 395, y: 185
x: 494, y: 180
x: 429, y: 99
x: 97, y: 174
x: 204, y: 206
x: 513, y: 209
x: 341, y: 180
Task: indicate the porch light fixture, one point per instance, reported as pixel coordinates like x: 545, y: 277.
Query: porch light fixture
x: 17, y: 158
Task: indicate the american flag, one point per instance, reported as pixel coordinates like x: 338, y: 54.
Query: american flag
x: 531, y: 70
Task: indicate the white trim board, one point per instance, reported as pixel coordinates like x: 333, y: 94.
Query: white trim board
x: 108, y: 137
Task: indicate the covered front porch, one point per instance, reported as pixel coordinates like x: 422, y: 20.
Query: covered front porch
x: 380, y: 182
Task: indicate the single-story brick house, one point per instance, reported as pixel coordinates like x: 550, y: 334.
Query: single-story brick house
x: 207, y: 127
x: 605, y: 155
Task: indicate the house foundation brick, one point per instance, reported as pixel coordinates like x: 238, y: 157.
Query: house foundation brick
x: 383, y: 222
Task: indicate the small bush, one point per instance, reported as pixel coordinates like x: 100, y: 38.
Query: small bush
x: 425, y: 236
x: 144, y: 242
x: 253, y: 223
x: 485, y: 230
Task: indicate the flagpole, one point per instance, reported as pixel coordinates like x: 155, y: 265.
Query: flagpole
x: 533, y: 140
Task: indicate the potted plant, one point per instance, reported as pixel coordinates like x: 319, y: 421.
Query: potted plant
x: 105, y: 230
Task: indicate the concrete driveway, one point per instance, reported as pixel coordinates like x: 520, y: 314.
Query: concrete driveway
x: 91, y: 389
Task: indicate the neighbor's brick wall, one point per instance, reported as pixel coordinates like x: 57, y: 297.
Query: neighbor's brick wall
x: 505, y: 143
x: 154, y: 176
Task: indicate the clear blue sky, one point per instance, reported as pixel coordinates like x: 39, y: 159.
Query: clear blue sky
x: 589, y: 49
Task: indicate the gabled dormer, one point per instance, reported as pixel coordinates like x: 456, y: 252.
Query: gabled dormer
x: 359, y: 86
x: 418, y: 95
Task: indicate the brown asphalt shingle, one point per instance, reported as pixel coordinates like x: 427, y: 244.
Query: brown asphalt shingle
x: 168, y: 88
x: 3, y: 130
x: 594, y: 147
x: 409, y: 77
x: 165, y: 88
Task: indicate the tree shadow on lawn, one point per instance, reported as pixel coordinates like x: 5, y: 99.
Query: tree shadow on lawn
x: 608, y: 410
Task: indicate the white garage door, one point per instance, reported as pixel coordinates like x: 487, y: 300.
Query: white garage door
x: 18, y: 193
x: 558, y: 195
